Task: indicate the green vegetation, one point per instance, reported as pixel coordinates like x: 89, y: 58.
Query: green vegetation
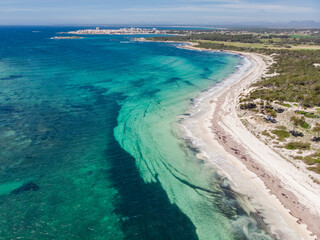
x: 240, y: 44
x: 244, y: 38
x: 316, y: 129
x: 313, y: 160
x: 315, y: 169
x: 305, y: 125
x: 258, y: 46
x: 298, y: 81
x: 248, y: 106
x: 286, y: 105
x: 247, y: 39
x: 281, y: 134
x: 266, y: 133
x: 281, y: 127
x: 299, y: 122
x: 271, y: 112
x: 307, y: 114
x: 298, y: 145
x: 300, y: 36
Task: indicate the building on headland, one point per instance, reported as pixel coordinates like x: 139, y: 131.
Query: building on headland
x: 122, y: 31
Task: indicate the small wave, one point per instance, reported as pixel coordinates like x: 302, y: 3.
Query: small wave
x: 201, y: 106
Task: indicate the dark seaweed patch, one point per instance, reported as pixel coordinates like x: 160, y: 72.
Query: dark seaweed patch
x: 30, y: 186
x: 6, y: 109
x: 11, y: 77
x: 93, y: 89
x: 175, y: 80
x: 189, y: 83
x: 153, y: 92
x: 138, y: 83
x: 206, y: 73
x: 145, y: 207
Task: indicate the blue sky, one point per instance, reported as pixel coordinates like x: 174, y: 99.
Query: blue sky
x: 155, y: 11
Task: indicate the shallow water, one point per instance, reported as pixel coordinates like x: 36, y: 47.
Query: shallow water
x: 90, y: 147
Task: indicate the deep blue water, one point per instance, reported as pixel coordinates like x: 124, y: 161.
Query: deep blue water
x: 89, y: 141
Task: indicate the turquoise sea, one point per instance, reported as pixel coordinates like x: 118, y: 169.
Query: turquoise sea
x: 90, y: 147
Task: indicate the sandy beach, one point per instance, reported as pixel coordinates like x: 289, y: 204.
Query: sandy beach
x: 285, y: 196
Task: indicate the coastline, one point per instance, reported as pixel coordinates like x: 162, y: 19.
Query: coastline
x: 281, y: 193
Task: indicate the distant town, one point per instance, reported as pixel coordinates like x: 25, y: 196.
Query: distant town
x: 121, y: 31
x: 186, y: 32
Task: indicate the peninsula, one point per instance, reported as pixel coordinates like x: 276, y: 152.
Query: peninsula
x: 121, y: 31
x: 71, y: 37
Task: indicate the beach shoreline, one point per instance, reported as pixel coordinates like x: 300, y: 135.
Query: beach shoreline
x: 220, y: 132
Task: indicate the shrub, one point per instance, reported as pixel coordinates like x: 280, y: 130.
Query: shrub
x: 281, y: 127
x: 298, y: 145
x: 315, y: 169
x: 286, y: 105
x: 305, y: 125
x: 281, y: 134
x: 248, y: 106
x: 313, y: 158
x: 271, y: 112
x: 307, y: 114
x: 265, y: 133
x: 300, y: 122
